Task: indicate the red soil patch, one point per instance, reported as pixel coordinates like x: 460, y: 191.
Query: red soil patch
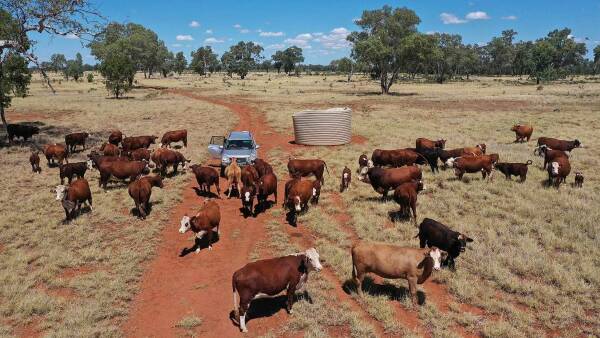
x: 77, y: 271
x: 28, y: 330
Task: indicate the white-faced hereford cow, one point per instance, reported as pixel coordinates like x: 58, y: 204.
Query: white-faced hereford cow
x: 392, y: 261
x: 269, y: 277
x: 203, y: 223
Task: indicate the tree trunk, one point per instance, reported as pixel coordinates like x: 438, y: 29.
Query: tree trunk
x: 2, y: 116
x: 537, y: 80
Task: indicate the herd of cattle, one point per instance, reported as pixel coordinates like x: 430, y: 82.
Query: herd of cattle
x: 130, y: 158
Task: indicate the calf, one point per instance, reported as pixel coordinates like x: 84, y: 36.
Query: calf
x: 483, y: 164
x: 55, y: 153
x: 121, y: 170
x: 141, y: 154
x: 109, y: 149
x: 432, y: 156
x: 288, y: 185
x: 34, y: 160
x: 384, y: 180
x: 392, y: 261
x: 304, y: 168
x: 206, y: 176
x: 435, y: 234
x: 514, y: 169
x: 140, y: 191
x: 262, y: 167
x: 363, y: 161
x: 558, y: 170
x: 247, y: 195
x: 174, y: 136
x: 115, y: 137
x: 267, y: 185
x: 73, y: 196
x: 346, y: 179
x: 557, y: 144
x: 522, y: 132
x: 578, y: 179
x: 423, y: 143
x: 74, y: 139
x: 167, y: 157
x: 234, y: 176
x: 137, y: 142
x: 406, y: 196
x: 203, y: 223
x: 69, y: 170
x: 249, y: 175
x: 21, y: 130
x: 269, y: 277
x: 316, y: 192
x: 551, y: 154
x: 300, y: 193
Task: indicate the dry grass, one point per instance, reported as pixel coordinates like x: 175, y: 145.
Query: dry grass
x: 78, y: 278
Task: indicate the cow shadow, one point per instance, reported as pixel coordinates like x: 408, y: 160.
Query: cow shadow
x: 399, y: 216
x: 205, y: 194
x: 390, y: 291
x: 84, y: 210
x: 269, y: 306
x: 235, y: 193
x: 263, y: 207
x: 246, y: 213
x: 135, y: 212
x: 376, y: 199
x: 201, y: 244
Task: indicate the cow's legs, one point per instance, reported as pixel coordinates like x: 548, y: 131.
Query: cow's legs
x: 210, y: 235
x: 291, y: 290
x: 358, y: 280
x: 413, y: 205
x: 412, y: 286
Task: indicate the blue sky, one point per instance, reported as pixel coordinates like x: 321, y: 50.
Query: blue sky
x: 320, y: 27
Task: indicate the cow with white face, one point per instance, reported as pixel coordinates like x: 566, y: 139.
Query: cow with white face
x: 247, y: 196
x: 298, y: 197
x: 73, y: 196
x: 61, y: 192
x: 270, y: 277
x: 203, y: 223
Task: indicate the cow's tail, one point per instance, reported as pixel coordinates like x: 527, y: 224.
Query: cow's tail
x: 354, y: 271
x: 324, y: 163
x: 529, y: 162
x: 236, y: 296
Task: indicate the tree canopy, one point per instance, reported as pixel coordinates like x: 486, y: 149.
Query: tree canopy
x: 204, y: 61
x: 241, y: 58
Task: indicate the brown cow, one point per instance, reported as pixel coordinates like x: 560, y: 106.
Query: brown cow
x: 558, y: 170
x: 269, y: 277
x: 514, y: 169
x: 206, y: 176
x: 74, y: 139
x: 109, y: 149
x: 137, y: 142
x: 423, y: 143
x: 522, y: 132
x: 69, y: 170
x: 578, y: 179
x: 303, y: 168
x: 121, y: 170
x: 557, y: 144
x: 34, y: 160
x: 267, y: 185
x: 346, y: 179
x: 396, y: 158
x: 316, y: 192
x: 298, y: 197
x: 73, y: 196
x: 55, y: 152
x: 174, y: 136
x: 115, y: 137
x: 363, y: 161
x: 96, y: 159
x: 392, y: 261
x: 234, y: 176
x: 406, y: 195
x: 477, y: 150
x: 383, y: 180
x: 262, y: 167
x: 446, y: 155
x: 249, y: 175
x: 140, y: 154
x: 483, y: 164
x: 164, y: 158
x: 288, y: 185
x: 551, y: 154
x: 203, y: 223
x: 140, y: 191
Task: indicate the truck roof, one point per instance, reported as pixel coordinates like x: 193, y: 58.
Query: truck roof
x: 240, y: 135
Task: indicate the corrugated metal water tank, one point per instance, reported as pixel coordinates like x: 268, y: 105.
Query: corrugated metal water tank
x: 323, y: 127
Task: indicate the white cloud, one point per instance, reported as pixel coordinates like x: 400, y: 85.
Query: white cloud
x: 212, y: 40
x: 71, y: 36
x: 336, y: 39
x: 186, y: 37
x: 244, y: 31
x: 275, y: 46
x: 431, y: 32
x: 301, y: 40
x: 478, y: 15
x: 176, y: 45
x: 451, y: 19
x: 209, y: 31
x: 194, y: 24
x: 237, y: 26
x: 269, y: 34
x: 510, y: 17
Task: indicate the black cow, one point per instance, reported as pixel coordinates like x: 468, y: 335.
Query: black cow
x: 434, y: 233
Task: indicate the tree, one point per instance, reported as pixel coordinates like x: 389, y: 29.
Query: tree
x: 180, y: 63
x: 344, y: 65
x: 241, y: 58
x: 168, y: 64
x: 14, y: 79
x: 597, y: 58
x: 266, y: 65
x: 290, y: 57
x: 204, y: 60
x: 74, y: 68
x: 523, y: 61
x: 118, y: 68
x: 382, y: 41
x: 542, y: 57
x: 58, y: 63
x: 446, y: 56
x: 277, y: 60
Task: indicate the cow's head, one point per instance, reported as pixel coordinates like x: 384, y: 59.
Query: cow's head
x: 463, y: 240
x: 61, y: 191
x: 515, y: 127
x: 577, y: 144
x: 90, y: 164
x: 555, y: 166
x: 450, y: 162
x: 312, y: 260
x: 362, y: 171
x: 440, y: 143
x: 483, y: 147
x: 153, y: 139
x: 185, y: 224
x: 420, y: 185
x: 438, y: 257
